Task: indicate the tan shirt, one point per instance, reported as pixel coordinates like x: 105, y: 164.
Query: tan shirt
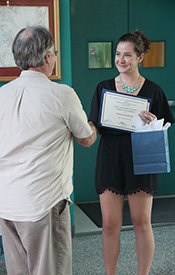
x: 38, y: 119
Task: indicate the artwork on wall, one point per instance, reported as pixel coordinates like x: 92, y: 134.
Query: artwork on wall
x: 99, y: 55
x: 18, y: 14
x: 156, y: 56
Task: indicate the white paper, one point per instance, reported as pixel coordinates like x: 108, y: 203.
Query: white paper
x: 154, y: 125
x: 121, y: 111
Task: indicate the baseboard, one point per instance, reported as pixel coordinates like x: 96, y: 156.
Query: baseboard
x: 73, y: 230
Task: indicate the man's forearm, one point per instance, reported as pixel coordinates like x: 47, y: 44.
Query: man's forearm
x: 87, y: 142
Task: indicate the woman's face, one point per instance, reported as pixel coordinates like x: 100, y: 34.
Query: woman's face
x: 126, y: 60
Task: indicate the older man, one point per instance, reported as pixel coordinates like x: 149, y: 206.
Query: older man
x: 38, y: 119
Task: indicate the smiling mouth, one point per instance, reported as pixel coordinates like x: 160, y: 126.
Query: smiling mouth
x: 123, y: 66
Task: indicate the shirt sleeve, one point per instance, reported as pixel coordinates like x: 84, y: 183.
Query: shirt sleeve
x: 75, y: 117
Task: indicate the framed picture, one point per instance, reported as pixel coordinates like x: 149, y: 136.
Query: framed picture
x: 156, y: 56
x: 100, y: 55
x: 18, y: 14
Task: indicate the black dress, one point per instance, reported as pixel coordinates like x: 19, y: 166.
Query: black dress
x: 114, y: 167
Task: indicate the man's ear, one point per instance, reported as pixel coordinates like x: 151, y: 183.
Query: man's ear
x: 47, y: 57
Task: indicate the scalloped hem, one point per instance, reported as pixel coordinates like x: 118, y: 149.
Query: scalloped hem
x: 134, y: 191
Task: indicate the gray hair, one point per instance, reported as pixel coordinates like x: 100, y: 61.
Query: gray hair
x: 30, y: 47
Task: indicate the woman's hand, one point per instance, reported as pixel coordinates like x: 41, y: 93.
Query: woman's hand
x: 147, y: 117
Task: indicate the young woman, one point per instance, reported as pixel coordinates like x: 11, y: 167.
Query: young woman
x: 114, y: 168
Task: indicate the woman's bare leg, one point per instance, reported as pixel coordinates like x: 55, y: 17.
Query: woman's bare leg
x: 112, y: 209
x: 141, y: 208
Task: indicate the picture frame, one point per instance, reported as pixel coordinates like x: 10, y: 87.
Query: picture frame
x: 18, y: 14
x: 100, y: 55
x: 156, y: 55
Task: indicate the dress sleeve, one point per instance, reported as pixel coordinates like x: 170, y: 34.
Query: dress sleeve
x: 161, y: 108
x: 95, y: 106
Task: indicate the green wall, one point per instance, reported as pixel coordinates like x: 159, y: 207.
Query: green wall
x: 65, y: 43
x: 65, y: 46
x: 156, y: 20
x: 106, y: 21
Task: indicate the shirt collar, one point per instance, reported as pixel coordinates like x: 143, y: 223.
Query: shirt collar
x: 29, y: 73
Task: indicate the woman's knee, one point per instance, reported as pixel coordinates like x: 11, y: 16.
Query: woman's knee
x: 140, y: 223
x: 111, y: 227
x: 112, y: 211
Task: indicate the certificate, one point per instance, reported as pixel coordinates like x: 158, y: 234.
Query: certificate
x: 120, y: 111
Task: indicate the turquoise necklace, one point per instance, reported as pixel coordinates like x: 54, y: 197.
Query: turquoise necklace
x: 130, y: 89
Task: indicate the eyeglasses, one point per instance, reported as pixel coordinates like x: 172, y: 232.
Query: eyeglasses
x: 56, y: 52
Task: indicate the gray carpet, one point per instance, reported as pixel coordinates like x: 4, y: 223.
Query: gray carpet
x: 2, y: 267
x: 88, y: 259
